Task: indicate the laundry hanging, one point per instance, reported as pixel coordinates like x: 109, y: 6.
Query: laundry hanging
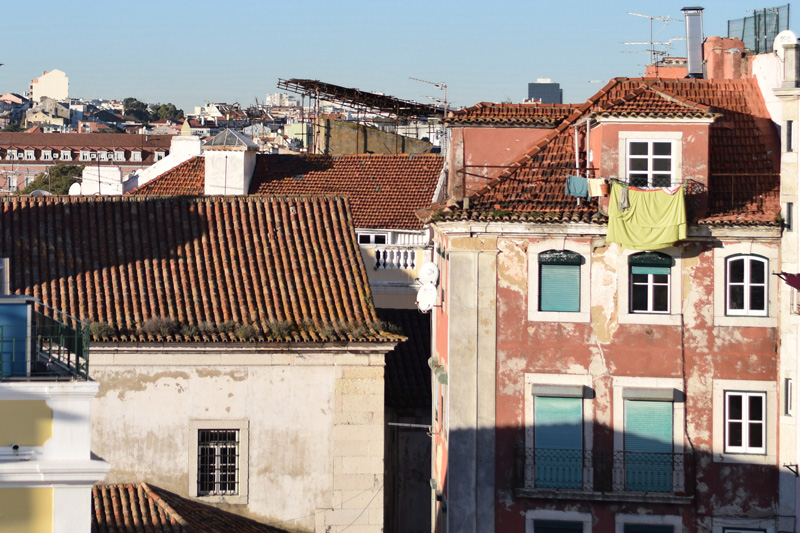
x: 577, y: 186
x: 654, y: 219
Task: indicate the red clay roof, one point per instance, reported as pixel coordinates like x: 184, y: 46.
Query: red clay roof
x: 743, y: 180
x: 648, y: 102
x: 143, y: 507
x: 207, y: 266
x: 384, y: 189
x: 490, y: 114
x: 87, y: 140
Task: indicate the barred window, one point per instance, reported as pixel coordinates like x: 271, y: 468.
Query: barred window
x: 218, y: 462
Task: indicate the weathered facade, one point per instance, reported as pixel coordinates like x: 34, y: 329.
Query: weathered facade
x: 585, y: 384
x: 239, y: 358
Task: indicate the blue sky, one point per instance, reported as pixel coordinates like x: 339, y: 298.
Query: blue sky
x: 189, y: 52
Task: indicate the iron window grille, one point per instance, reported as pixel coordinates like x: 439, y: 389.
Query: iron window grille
x: 218, y: 462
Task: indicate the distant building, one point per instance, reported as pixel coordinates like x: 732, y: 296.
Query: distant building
x: 545, y: 91
x: 53, y: 84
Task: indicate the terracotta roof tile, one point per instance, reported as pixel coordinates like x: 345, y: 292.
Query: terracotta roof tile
x: 86, y: 140
x: 289, y: 267
x: 384, y: 190
x: 143, y: 507
x: 743, y: 180
x: 490, y: 114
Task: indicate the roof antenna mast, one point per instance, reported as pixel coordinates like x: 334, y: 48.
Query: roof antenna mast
x: 652, y: 50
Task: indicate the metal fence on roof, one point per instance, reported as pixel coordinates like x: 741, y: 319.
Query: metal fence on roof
x: 758, y: 31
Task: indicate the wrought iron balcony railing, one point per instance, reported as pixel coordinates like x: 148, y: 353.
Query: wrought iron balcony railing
x: 45, y: 348
x: 600, y: 471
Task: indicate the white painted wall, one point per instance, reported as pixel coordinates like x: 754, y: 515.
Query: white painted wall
x: 53, y: 84
x: 229, y: 171
x: 315, y: 425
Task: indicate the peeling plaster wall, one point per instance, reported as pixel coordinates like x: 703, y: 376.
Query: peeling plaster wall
x: 315, y: 427
x: 694, y: 353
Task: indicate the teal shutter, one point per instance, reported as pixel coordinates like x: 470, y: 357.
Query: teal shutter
x: 650, y: 270
x: 558, y: 424
x: 14, y: 339
x: 560, y: 288
x: 648, y: 446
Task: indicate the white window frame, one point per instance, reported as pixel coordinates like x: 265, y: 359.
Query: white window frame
x: 47, y: 155
x: 103, y: 155
x: 371, y: 237
x: 244, y: 453
x: 674, y: 137
x: 66, y: 155
x: 557, y: 380
x: 30, y: 154
x: 719, y: 434
x: 136, y: 155
x: 159, y: 155
x: 581, y: 247
x: 119, y: 155
x: 650, y: 520
x: 12, y: 155
x: 743, y: 525
x: 746, y: 284
x: 671, y: 318
x: 85, y: 155
x: 651, y: 158
x: 561, y: 516
x: 721, y: 254
x: 619, y: 384
x: 745, y: 422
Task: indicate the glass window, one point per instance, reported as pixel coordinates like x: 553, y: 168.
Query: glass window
x: 745, y: 422
x: 650, y: 282
x: 217, y: 462
x: 746, y: 285
x: 560, y: 281
x: 650, y: 163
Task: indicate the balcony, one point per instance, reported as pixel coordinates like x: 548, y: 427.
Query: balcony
x: 395, y: 258
x: 609, y: 476
x: 37, y: 346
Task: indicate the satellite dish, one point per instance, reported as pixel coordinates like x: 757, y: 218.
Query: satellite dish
x: 426, y: 297
x: 75, y: 189
x: 784, y: 37
x: 429, y: 274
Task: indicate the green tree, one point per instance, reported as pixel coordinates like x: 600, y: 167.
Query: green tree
x: 13, y: 126
x: 60, y: 178
x: 133, y: 109
x: 168, y: 111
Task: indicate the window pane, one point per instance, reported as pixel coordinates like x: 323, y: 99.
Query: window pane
x: 755, y: 436
x: 637, y: 180
x: 755, y: 406
x: 736, y: 271
x: 363, y: 239
x: 734, y: 433
x: 757, y: 300
x: 736, y: 297
x: 662, y: 180
x: 734, y: 407
x: 639, y: 279
x: 660, y: 298
x: 660, y: 279
x: 380, y: 239
x: 662, y: 164
x: 638, y: 148
x: 757, y: 271
x: 662, y: 148
x: 638, y: 164
x: 639, y: 298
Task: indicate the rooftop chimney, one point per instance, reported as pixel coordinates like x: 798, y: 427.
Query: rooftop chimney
x: 694, y: 40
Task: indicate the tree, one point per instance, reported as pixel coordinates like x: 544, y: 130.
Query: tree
x: 168, y: 111
x: 12, y: 126
x: 60, y: 178
x: 133, y: 109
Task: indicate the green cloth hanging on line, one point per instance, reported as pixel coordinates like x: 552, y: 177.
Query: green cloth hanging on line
x: 653, y: 221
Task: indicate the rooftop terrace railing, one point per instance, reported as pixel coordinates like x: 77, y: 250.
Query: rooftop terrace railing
x: 52, y: 346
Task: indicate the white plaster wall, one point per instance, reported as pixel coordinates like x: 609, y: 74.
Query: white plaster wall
x: 768, y: 71
x: 53, y: 84
x: 101, y: 180
x: 140, y: 421
x: 229, y: 171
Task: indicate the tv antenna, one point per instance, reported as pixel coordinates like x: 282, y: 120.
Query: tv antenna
x: 653, y: 52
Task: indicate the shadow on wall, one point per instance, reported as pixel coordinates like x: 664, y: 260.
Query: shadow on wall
x: 559, y: 473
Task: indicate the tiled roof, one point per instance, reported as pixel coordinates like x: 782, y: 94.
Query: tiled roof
x: 408, y: 376
x: 187, y: 177
x: 648, y: 102
x: 743, y: 179
x: 384, y: 189
x: 142, y: 507
x: 85, y: 140
x: 194, y: 269
x: 490, y: 114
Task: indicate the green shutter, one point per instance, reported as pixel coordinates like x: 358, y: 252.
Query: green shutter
x: 648, y: 446
x: 558, y: 422
x: 560, y: 288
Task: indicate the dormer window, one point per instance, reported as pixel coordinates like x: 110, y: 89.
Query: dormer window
x: 66, y: 155
x: 650, y: 163
x: 103, y: 156
x: 160, y: 155
x: 12, y: 155
x: 47, y: 155
x: 119, y: 155
x: 85, y: 155
x: 30, y: 154
x: 136, y: 155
